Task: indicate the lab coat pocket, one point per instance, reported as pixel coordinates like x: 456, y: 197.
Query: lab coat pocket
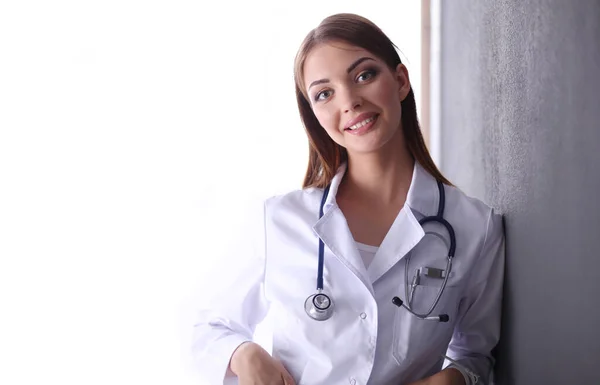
x: 418, y: 340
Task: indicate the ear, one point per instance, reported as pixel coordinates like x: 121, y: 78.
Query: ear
x: 403, y: 81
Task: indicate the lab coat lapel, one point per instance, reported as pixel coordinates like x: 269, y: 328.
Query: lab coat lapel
x: 406, y: 232
x: 333, y: 230
x: 335, y: 233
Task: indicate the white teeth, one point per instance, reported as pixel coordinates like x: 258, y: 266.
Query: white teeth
x: 364, y: 122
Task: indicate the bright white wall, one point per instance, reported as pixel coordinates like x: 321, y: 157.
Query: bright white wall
x: 130, y: 131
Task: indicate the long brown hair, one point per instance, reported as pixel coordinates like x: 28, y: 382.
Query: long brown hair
x: 326, y: 156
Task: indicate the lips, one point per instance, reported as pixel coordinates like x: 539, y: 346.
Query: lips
x: 360, y: 120
x: 363, y: 127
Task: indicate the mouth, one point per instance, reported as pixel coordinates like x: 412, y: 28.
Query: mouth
x: 362, y: 126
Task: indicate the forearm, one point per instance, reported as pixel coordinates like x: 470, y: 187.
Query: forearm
x: 448, y: 376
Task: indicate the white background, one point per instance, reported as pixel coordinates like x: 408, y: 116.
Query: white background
x: 132, y: 133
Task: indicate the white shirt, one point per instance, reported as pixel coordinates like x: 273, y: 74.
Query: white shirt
x: 367, y: 253
x: 368, y: 340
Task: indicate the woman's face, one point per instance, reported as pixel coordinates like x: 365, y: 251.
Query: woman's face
x: 355, y: 96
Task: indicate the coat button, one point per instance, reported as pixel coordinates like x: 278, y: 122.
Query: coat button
x: 363, y: 315
x: 352, y: 381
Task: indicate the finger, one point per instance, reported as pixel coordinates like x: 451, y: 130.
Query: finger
x: 285, y: 375
x: 287, y: 379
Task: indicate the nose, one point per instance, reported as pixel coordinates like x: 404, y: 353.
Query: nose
x: 351, y: 100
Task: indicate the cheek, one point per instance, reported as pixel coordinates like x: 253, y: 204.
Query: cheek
x: 390, y: 97
x: 326, y: 119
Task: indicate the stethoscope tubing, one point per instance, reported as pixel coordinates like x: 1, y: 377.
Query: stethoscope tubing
x: 321, y: 244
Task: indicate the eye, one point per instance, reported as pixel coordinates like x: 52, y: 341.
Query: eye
x: 366, y: 75
x: 323, y: 95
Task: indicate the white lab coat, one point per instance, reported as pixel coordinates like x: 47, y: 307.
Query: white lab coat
x: 368, y: 340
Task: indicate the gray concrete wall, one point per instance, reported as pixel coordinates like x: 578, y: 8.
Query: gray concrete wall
x: 521, y: 130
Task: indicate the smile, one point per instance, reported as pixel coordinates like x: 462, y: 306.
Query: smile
x: 361, y: 124
x: 364, y: 126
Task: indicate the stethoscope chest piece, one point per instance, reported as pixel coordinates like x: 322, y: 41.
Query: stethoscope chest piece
x: 319, y: 307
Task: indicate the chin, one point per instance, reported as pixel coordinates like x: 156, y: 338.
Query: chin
x: 371, y: 145
x: 363, y: 150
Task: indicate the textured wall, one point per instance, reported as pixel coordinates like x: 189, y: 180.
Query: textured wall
x: 521, y: 130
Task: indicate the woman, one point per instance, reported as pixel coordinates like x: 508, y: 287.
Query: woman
x: 356, y: 232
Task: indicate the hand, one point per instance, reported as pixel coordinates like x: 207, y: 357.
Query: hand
x: 254, y: 366
x: 449, y: 376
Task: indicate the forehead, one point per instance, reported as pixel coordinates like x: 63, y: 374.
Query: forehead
x: 327, y: 60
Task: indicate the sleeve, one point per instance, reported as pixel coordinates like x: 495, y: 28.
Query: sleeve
x: 478, y: 329
x: 235, y: 308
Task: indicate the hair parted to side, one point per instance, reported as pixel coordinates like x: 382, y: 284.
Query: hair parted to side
x: 326, y: 156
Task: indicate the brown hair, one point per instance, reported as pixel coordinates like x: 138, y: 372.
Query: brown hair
x: 326, y: 156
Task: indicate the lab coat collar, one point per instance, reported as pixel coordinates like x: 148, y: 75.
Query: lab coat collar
x: 405, y: 233
x: 334, y: 186
x: 423, y: 195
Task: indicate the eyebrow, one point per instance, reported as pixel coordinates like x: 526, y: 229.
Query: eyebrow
x: 350, y: 69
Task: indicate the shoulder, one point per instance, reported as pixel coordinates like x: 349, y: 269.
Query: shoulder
x: 297, y: 201
x: 465, y: 208
x: 478, y: 224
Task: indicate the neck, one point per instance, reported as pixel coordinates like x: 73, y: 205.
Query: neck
x: 379, y: 178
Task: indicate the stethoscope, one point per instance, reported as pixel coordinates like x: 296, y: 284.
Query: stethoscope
x: 319, y: 306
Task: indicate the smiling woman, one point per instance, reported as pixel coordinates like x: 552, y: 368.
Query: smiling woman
x: 368, y: 82
x: 364, y: 68
x: 361, y: 228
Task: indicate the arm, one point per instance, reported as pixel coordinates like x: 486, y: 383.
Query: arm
x: 478, y: 330
x: 236, y: 309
